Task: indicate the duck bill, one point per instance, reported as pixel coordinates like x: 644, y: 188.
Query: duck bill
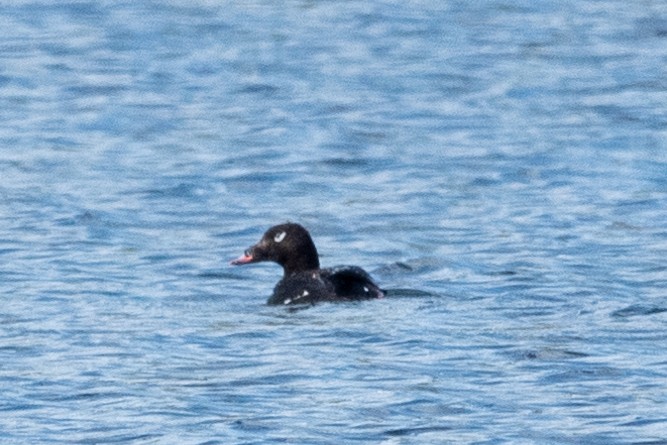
x: 251, y: 255
x: 243, y: 259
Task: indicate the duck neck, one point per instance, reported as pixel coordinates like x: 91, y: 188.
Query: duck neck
x: 308, y: 260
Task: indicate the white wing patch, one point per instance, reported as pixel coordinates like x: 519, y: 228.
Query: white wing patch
x: 279, y: 236
x: 305, y: 293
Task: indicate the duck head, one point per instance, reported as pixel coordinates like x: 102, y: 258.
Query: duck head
x: 289, y: 245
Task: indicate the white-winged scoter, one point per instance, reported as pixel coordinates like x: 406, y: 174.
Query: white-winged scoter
x: 303, y: 282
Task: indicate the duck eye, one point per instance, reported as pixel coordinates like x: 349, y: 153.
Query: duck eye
x: 279, y: 236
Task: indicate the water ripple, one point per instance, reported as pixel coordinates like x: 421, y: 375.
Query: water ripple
x: 500, y: 169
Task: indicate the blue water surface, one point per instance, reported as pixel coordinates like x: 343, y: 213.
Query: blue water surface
x: 500, y: 167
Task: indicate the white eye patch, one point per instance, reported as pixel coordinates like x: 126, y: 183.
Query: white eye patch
x: 279, y: 236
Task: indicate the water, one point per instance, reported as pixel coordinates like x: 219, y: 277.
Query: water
x: 500, y: 167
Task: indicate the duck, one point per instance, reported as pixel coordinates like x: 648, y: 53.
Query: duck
x: 304, y: 282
